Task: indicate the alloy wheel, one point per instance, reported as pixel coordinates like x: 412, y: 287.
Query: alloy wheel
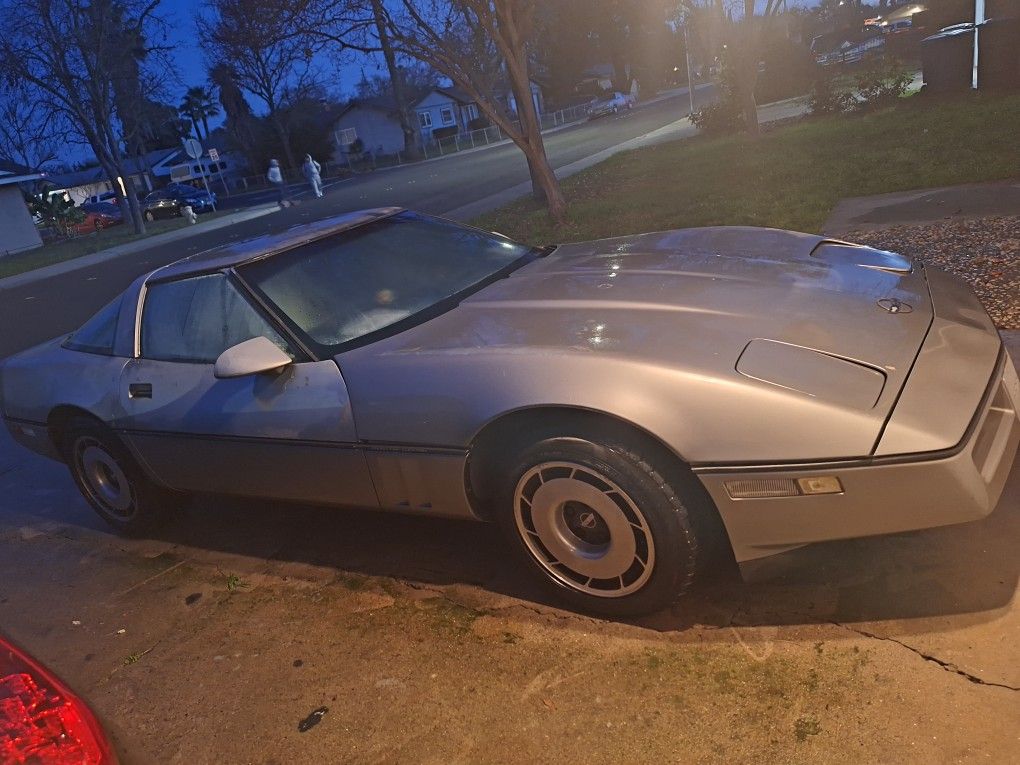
x: 583, y: 529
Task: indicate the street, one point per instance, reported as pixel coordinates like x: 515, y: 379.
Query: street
x: 48, y: 307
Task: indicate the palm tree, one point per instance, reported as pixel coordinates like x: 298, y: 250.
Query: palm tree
x: 198, y: 106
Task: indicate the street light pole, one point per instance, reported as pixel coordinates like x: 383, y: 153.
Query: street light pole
x: 979, y: 19
x: 687, y: 53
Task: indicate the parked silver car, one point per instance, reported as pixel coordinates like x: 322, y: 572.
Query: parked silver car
x: 612, y: 405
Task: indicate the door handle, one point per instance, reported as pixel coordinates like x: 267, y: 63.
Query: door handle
x: 140, y: 390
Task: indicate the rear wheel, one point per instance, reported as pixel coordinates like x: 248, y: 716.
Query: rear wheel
x: 149, y: 216
x: 111, y: 481
x: 599, y: 525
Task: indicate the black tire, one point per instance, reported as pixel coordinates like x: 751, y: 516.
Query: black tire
x: 626, y: 489
x: 112, y: 482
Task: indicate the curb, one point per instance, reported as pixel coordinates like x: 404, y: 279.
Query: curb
x: 85, y: 261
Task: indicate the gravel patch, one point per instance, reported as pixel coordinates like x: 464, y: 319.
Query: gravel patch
x: 984, y: 251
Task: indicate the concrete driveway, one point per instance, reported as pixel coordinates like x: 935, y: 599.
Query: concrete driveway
x: 224, y: 639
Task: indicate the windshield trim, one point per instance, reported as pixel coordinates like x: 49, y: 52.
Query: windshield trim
x: 320, y: 351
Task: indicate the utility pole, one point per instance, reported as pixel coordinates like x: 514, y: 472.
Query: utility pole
x: 979, y: 19
x: 687, y: 53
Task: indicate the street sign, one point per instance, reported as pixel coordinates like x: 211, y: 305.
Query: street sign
x: 192, y: 147
x: 214, y: 155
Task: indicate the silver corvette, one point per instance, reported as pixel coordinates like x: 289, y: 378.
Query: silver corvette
x: 617, y: 406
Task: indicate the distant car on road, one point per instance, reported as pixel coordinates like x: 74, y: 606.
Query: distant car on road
x: 611, y: 105
x: 98, y: 215
x: 618, y: 407
x: 167, y: 203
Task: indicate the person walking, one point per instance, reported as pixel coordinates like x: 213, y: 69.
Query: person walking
x: 275, y: 177
x: 312, y: 171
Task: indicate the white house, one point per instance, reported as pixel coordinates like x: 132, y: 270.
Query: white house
x: 373, y: 121
x: 376, y: 121
x: 452, y: 107
x: 17, y: 229
x: 447, y: 110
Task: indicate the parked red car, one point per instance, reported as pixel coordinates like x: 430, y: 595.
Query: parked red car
x: 98, y: 215
x: 42, y: 720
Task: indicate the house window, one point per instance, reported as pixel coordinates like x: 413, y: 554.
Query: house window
x: 347, y: 136
x: 447, y: 114
x: 425, y: 119
x: 472, y: 111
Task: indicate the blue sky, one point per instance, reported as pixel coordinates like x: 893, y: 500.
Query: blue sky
x: 182, y: 17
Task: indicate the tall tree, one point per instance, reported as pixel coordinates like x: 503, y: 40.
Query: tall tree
x: 397, y: 85
x: 745, y: 53
x: 71, y: 52
x: 29, y: 130
x: 474, y: 43
x: 198, y: 106
x: 269, y: 58
x: 240, y: 120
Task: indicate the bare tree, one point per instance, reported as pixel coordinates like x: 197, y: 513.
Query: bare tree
x: 70, y: 52
x: 747, y: 35
x: 475, y: 42
x: 265, y: 51
x: 29, y: 130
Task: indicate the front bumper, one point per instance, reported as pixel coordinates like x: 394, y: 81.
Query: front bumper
x: 883, y: 494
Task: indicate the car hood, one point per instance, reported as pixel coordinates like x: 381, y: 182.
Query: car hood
x: 699, y: 296
x: 792, y: 316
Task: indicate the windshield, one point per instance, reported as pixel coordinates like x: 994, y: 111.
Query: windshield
x: 376, y: 276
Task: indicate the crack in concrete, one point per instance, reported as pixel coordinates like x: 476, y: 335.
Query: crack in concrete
x: 948, y: 666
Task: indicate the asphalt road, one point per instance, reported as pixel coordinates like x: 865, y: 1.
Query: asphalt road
x: 35, y: 312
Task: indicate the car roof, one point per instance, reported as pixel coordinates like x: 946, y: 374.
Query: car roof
x: 237, y: 253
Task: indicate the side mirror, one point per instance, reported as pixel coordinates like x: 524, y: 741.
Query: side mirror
x: 251, y: 357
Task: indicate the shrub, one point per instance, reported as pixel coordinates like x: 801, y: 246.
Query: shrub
x: 720, y: 118
x: 881, y: 82
x: 788, y: 70
x: 830, y: 95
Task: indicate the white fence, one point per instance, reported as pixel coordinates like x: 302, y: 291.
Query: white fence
x: 458, y: 142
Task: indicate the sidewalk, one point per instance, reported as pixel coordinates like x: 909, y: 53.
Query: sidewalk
x: 136, y: 246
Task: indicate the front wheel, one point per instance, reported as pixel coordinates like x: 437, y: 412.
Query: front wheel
x: 599, y: 525
x: 149, y: 216
x: 111, y: 481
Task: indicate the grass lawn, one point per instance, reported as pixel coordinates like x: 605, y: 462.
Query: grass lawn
x: 57, y: 252
x: 790, y: 177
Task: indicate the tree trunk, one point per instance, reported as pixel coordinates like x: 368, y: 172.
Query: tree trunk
x: 205, y: 126
x: 284, y: 137
x: 544, y: 184
x: 396, y: 82
x: 750, y: 109
x: 113, y: 165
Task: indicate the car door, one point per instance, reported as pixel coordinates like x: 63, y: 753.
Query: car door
x: 287, y: 434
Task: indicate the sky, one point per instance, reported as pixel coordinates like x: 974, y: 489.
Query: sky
x: 183, y: 16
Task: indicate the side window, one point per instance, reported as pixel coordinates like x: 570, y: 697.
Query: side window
x: 196, y: 319
x: 97, y: 334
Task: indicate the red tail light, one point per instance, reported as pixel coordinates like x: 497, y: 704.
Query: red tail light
x: 41, y: 721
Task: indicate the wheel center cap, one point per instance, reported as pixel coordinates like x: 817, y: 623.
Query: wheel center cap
x: 587, y: 520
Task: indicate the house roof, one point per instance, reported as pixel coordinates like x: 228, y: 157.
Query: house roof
x: 132, y: 166
x: 7, y: 178
x: 455, y: 93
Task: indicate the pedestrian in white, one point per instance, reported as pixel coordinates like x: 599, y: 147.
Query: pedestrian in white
x: 312, y: 171
x: 275, y: 177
